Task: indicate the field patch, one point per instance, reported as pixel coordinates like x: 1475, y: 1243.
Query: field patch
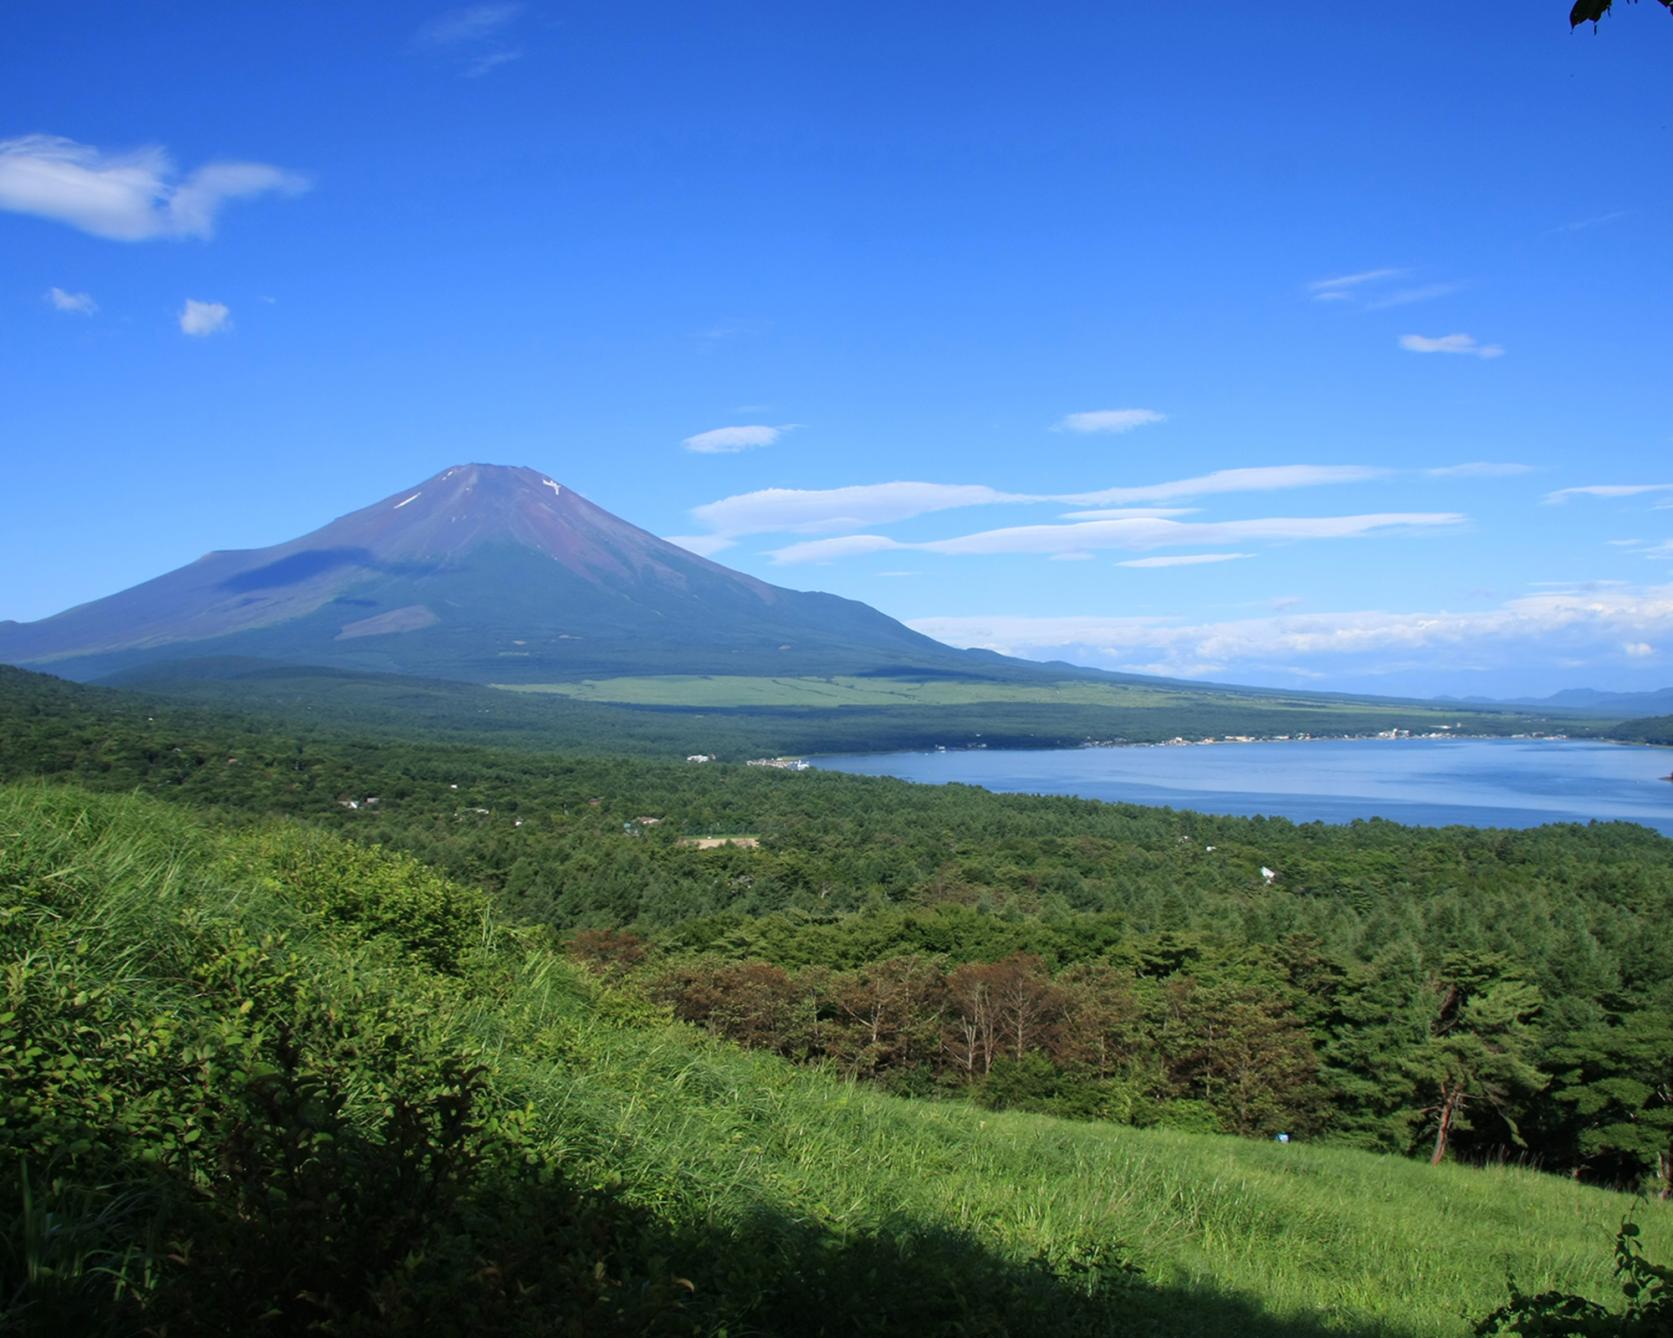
x: 738, y: 690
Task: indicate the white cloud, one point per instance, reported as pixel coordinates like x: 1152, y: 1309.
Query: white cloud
x: 1479, y: 469
x: 1260, y: 478
x: 1337, y: 289
x: 79, y: 304
x: 1639, y: 650
x: 828, y: 550
x: 1150, y: 533
x: 127, y: 197
x: 1108, y: 420
x: 1549, y: 625
x: 725, y: 440
x: 1128, y: 512
x: 1608, y: 490
x: 1183, y: 559
x: 1139, y: 533
x: 810, y: 510
x: 704, y: 545
x: 821, y: 510
x: 204, y: 318
x: 471, y: 23
x: 1452, y: 343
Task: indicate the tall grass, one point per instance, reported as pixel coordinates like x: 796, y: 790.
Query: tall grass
x: 1354, y: 1241
x: 799, y: 1191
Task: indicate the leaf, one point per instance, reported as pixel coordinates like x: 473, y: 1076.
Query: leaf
x: 1587, y: 11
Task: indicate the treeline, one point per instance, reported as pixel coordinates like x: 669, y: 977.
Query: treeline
x: 1536, y: 963
x: 1655, y: 729
x: 1462, y: 1058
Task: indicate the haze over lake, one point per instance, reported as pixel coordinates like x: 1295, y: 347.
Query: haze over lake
x: 1427, y: 782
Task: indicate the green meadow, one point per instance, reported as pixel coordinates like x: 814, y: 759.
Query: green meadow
x: 740, y: 691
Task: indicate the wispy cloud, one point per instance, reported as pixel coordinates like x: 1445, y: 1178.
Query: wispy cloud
x: 811, y: 510
x: 1374, y: 290
x: 467, y: 24
x: 1610, y: 623
x: 1596, y: 221
x: 127, y: 197
x: 726, y: 440
x: 1159, y: 533
x: 1108, y: 420
x: 488, y: 62
x: 1257, y: 478
x: 1452, y: 343
x: 1404, y: 297
x: 829, y: 550
x: 741, y: 328
x: 79, y: 304
x: 477, y: 35
x: 822, y: 510
x: 1608, y: 490
x: 1127, y: 512
x: 704, y: 545
x: 1134, y: 534
x: 1183, y: 559
x: 204, y: 318
x: 1341, y: 287
x: 1479, y: 469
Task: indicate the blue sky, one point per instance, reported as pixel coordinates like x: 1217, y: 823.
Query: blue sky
x: 1273, y: 347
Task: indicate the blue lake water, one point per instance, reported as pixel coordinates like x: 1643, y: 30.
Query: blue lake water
x: 1428, y: 782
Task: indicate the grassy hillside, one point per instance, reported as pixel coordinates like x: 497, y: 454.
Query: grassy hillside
x: 1168, y: 980
x: 267, y: 1072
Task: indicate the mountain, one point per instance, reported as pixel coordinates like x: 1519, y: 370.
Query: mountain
x: 484, y: 573
x: 1585, y: 701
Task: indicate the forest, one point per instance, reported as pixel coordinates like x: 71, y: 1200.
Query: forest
x: 1474, y: 994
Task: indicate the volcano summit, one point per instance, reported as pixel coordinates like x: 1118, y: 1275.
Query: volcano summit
x: 485, y: 573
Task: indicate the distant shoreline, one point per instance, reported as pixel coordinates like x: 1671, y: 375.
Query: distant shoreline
x: 1239, y: 740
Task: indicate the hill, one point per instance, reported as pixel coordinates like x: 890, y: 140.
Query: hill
x: 1581, y: 701
x: 324, y: 1088
x: 1247, y: 975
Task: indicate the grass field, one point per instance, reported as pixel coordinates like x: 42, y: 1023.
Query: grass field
x: 752, y: 1154
x: 738, y: 691
x: 1231, y: 1235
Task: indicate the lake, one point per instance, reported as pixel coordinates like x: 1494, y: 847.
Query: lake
x: 1427, y: 782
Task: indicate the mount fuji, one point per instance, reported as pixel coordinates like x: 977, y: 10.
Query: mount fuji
x: 485, y: 573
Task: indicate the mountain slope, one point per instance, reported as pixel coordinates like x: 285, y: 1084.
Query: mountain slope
x: 485, y: 573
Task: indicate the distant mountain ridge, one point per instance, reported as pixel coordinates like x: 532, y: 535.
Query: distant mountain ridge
x: 1587, y: 701
x: 486, y: 573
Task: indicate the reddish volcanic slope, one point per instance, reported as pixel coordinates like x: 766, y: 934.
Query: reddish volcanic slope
x: 483, y: 572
